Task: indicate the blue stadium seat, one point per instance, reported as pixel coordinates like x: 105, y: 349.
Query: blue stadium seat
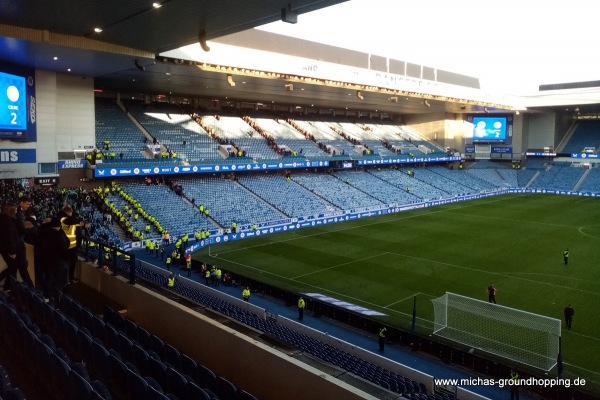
x: 140, y: 358
x: 112, y: 337
x: 195, y: 392
x: 98, y: 328
x: 85, y: 318
x: 153, y: 394
x: 100, y: 357
x: 136, y: 386
x: 159, y: 371
x: 79, y: 369
x: 60, y: 371
x: 211, y: 394
x: 101, y: 392
x: 5, y: 384
x: 225, y: 389
x: 131, y: 330
x: 125, y: 347
x: 79, y: 388
x: 176, y: 383
x: 143, y: 337
x: 131, y: 367
x: 189, y: 367
x: 243, y: 395
x: 157, y: 345
x: 207, y: 378
x: 71, y: 330
x: 117, y: 373
x: 153, y: 384
x: 84, y: 345
x: 171, y: 356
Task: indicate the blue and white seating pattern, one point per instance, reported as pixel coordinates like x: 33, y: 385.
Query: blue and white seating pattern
x: 171, y: 210
x: 290, y: 198
x: 229, y: 201
x: 586, y: 134
x: 114, y: 125
x: 336, y: 191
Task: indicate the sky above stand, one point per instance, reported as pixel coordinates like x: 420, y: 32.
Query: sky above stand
x: 511, y: 46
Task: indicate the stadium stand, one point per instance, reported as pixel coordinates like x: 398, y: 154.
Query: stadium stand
x: 176, y: 130
x: 383, y: 191
x: 558, y: 177
x: 173, y: 212
x: 436, y: 176
x: 290, y: 198
x: 336, y: 191
x: 326, y: 352
x: 585, y: 135
x: 236, y: 130
x: 114, y: 125
x: 403, y: 181
x: 591, y: 182
x: 229, y: 201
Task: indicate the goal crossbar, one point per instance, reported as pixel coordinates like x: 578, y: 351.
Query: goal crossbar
x: 520, y: 336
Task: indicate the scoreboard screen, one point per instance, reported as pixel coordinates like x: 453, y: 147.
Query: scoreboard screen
x: 489, y: 129
x: 13, y: 102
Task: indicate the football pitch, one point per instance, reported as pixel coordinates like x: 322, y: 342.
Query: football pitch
x: 515, y: 241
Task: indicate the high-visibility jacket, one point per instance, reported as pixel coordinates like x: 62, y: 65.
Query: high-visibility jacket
x: 70, y: 232
x: 171, y: 282
x: 301, y: 303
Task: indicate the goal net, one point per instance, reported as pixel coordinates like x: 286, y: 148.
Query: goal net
x: 517, y: 335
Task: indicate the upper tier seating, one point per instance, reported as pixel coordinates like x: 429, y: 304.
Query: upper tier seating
x: 237, y: 130
x: 586, y: 134
x: 172, y: 128
x: 114, y: 125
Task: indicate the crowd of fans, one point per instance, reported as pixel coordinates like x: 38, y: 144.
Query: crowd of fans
x: 56, y: 222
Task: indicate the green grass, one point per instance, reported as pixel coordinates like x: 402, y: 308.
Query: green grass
x: 515, y: 241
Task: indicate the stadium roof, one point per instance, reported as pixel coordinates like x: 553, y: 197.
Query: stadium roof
x: 60, y: 36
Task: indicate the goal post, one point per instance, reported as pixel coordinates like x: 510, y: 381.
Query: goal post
x: 517, y: 335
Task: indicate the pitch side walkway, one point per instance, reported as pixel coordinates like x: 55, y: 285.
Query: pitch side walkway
x: 400, y: 354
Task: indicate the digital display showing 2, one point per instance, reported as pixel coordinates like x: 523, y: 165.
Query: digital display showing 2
x: 13, y: 103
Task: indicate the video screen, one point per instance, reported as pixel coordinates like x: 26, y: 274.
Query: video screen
x: 489, y: 129
x: 13, y: 105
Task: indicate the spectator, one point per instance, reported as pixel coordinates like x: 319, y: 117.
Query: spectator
x: 52, y: 251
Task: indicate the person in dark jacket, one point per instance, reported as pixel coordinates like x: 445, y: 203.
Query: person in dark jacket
x: 13, y: 248
x: 9, y: 239
x: 52, y: 250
